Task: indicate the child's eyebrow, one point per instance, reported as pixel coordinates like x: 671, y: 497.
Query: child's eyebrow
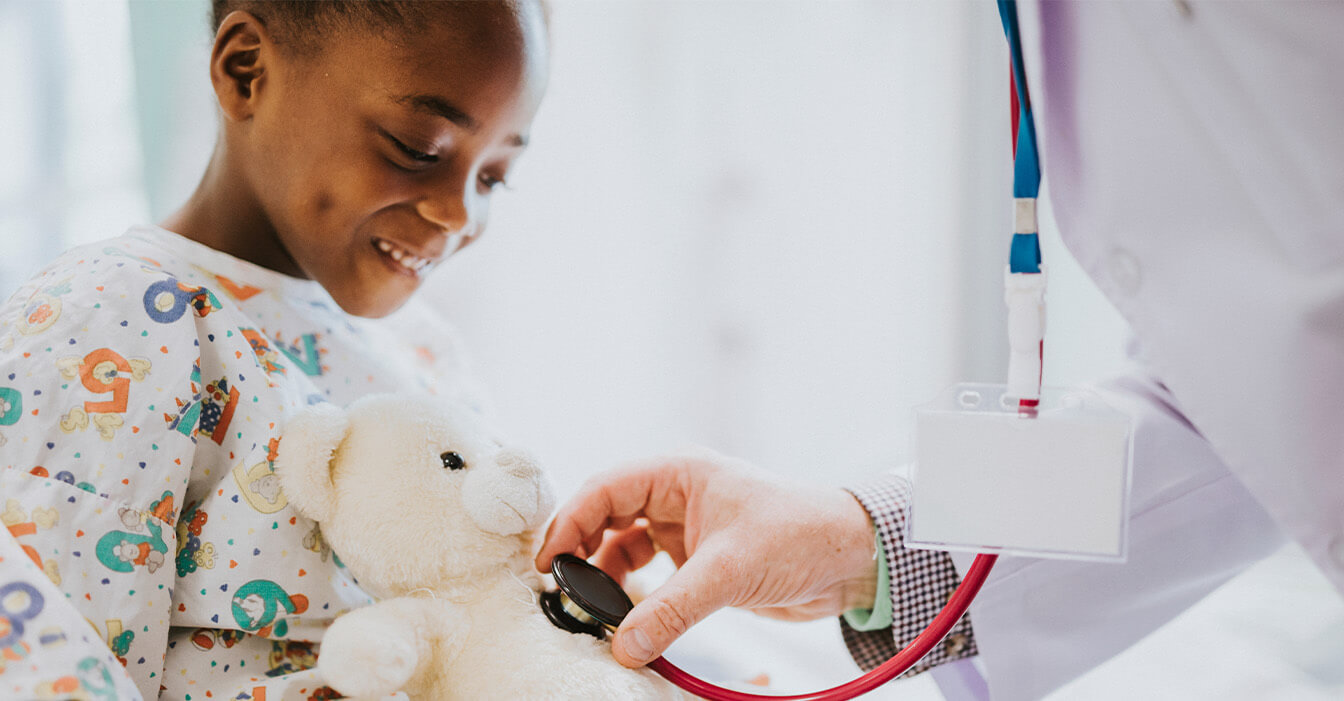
x: 436, y: 105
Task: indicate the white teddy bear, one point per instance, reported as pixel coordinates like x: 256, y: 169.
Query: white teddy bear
x: 434, y: 517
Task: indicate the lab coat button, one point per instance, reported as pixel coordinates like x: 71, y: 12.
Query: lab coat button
x: 1336, y: 550
x: 1124, y: 271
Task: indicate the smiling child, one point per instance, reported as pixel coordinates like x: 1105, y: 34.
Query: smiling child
x: 145, y: 379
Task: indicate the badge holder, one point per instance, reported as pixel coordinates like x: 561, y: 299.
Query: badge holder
x: 1053, y: 483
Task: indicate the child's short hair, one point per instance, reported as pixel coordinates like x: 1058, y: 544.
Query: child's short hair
x: 301, y: 24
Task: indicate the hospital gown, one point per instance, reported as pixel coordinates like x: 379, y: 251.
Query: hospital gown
x: 144, y: 384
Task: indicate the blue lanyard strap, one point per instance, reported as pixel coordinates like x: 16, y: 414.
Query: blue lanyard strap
x: 1025, y: 255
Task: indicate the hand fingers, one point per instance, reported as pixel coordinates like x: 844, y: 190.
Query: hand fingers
x: 671, y: 538
x: 791, y: 613
x: 616, y: 497
x: 623, y: 552
x: 576, y: 526
x: 700, y: 587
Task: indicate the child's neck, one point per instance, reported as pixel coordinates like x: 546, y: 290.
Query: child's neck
x: 224, y: 214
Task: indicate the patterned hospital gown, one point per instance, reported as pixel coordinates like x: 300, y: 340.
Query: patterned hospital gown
x: 144, y: 381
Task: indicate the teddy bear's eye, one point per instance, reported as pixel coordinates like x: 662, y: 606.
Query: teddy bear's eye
x: 452, y: 461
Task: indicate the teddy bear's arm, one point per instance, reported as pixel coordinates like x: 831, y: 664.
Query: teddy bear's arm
x: 390, y: 646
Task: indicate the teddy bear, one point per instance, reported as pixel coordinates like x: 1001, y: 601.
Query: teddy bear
x: 434, y: 515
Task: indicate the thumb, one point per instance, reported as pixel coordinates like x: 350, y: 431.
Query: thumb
x: 700, y: 587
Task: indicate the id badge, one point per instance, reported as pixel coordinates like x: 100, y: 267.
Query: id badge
x: 987, y: 479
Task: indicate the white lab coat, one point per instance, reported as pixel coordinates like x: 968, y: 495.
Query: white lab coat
x: 1195, y: 156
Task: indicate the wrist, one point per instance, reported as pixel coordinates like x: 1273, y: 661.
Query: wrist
x: 861, y: 574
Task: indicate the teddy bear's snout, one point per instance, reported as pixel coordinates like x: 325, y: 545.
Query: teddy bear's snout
x: 511, y: 499
x: 518, y: 464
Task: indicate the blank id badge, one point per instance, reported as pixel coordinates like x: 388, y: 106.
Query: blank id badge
x: 987, y: 479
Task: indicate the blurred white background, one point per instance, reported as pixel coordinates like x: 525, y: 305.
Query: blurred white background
x: 770, y: 228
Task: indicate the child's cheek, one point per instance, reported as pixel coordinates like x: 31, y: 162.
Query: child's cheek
x: 323, y: 202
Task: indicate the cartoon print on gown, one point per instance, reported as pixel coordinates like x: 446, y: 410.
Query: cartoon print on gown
x: 144, y: 385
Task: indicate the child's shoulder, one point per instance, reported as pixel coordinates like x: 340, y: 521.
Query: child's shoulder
x: 138, y: 255
x: 126, y: 277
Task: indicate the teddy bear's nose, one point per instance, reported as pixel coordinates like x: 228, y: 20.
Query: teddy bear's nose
x: 510, y: 499
x: 518, y: 464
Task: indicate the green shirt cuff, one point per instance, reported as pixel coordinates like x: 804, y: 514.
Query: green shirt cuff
x: 879, y: 616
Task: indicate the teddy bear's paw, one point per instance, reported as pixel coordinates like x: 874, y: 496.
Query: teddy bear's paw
x: 366, y: 665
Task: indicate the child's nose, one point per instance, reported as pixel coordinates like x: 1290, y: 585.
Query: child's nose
x: 450, y: 207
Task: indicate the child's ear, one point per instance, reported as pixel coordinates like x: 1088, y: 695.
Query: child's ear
x: 304, y: 458
x: 237, y: 63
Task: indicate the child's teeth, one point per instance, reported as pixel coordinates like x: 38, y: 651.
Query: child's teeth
x: 411, y: 262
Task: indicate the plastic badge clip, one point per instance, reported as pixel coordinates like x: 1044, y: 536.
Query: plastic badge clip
x: 987, y: 479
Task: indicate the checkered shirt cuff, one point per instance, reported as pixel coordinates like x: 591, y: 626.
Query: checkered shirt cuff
x: 921, y: 582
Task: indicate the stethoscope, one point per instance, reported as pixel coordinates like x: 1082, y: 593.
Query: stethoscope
x: 589, y: 601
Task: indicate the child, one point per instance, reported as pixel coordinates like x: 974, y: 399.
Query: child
x: 145, y: 380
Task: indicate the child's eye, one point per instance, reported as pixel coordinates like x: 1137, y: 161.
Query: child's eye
x: 452, y: 461
x: 491, y: 182
x: 418, y: 156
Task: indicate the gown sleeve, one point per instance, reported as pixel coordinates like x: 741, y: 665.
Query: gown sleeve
x: 97, y: 355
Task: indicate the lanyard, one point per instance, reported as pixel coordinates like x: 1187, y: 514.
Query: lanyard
x: 1025, y: 279
x: 1026, y: 251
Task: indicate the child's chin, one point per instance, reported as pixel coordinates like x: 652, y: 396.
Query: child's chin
x: 377, y: 304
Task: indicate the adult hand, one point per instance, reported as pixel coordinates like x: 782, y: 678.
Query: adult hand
x: 739, y: 537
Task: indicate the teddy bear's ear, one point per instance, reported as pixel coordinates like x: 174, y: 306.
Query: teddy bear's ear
x: 303, y: 461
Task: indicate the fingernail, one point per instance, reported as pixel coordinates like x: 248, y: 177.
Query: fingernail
x: 638, y: 645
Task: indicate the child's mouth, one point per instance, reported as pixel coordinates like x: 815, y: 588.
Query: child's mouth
x: 399, y: 259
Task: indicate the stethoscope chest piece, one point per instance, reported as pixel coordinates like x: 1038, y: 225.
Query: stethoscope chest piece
x: 588, y: 600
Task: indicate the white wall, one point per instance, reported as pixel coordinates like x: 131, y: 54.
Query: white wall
x: 772, y: 229
x: 70, y: 165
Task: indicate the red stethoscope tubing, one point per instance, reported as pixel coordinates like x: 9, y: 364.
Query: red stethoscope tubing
x: 892, y: 668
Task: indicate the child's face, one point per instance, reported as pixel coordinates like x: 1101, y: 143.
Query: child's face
x: 374, y: 158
